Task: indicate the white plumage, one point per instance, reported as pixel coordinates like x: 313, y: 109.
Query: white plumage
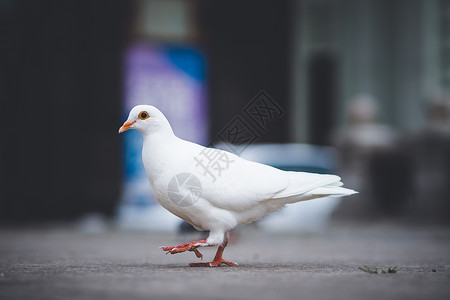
x: 241, y: 193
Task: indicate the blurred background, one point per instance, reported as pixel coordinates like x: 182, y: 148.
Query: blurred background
x: 362, y: 84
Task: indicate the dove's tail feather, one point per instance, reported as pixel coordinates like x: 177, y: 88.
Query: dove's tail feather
x: 302, y: 183
x: 308, y: 186
x: 332, y: 190
x: 320, y: 192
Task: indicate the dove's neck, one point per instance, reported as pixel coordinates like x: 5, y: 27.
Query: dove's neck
x: 157, y: 148
x: 159, y: 137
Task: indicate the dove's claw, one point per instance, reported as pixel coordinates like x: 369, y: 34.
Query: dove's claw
x: 214, y: 263
x: 167, y: 248
x: 197, y: 253
x: 192, y: 246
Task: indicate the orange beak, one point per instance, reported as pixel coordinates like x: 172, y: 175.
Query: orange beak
x: 127, y: 125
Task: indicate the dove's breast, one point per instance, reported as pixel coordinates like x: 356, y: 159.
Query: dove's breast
x: 177, y: 184
x: 197, y: 211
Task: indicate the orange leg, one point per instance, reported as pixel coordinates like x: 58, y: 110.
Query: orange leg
x: 218, y: 260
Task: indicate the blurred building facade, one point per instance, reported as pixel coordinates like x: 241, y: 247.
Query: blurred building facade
x: 396, y: 51
x: 62, y: 64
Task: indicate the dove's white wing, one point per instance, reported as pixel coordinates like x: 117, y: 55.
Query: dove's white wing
x: 245, y: 184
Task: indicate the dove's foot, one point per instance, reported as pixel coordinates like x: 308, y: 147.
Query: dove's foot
x: 192, y: 246
x: 214, y: 263
x: 218, y: 260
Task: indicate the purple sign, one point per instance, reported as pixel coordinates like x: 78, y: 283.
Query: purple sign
x: 171, y: 78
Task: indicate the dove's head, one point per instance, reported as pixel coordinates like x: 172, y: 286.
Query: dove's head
x: 147, y: 119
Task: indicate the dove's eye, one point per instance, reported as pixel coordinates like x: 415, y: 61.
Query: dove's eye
x: 143, y: 115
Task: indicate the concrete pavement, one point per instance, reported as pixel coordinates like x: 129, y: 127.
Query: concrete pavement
x: 58, y: 262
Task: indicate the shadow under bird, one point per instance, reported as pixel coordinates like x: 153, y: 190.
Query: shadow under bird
x: 243, y: 193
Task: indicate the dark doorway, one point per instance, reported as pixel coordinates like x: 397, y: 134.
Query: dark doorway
x: 247, y: 44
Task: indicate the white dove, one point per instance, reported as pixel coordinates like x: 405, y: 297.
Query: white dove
x: 215, y: 190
